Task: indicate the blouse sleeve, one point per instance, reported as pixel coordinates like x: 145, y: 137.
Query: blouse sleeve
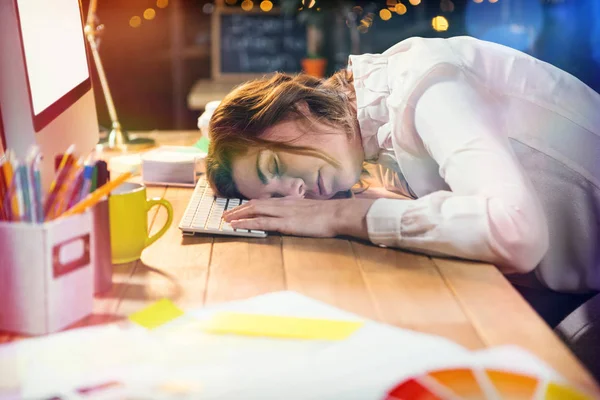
x: 492, y: 213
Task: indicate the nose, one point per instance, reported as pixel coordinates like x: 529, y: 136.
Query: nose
x: 293, y: 187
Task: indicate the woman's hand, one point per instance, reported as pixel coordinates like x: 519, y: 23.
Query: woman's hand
x: 302, y: 217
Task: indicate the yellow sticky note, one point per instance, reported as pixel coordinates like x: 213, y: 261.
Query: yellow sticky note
x: 280, y: 327
x: 156, y: 314
x: 555, y: 391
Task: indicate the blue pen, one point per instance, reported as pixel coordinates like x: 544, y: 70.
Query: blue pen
x: 88, y: 173
x: 25, y: 201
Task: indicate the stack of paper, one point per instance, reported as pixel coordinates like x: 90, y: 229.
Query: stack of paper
x: 277, y: 346
x: 173, y: 165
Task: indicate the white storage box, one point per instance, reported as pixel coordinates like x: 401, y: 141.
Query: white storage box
x: 46, y: 274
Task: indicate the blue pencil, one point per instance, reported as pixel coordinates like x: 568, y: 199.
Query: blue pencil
x: 35, y: 186
x: 24, y: 189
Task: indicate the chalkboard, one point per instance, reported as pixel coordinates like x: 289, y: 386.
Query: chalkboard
x: 252, y: 43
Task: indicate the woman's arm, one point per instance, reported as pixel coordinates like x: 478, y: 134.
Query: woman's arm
x: 492, y: 213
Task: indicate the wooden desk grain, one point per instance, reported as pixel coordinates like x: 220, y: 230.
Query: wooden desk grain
x: 467, y: 302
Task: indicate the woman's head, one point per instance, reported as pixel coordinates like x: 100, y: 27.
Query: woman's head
x: 286, y: 136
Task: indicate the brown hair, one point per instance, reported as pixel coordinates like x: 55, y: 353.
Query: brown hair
x: 251, y: 108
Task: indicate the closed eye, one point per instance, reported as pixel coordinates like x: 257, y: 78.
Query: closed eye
x: 274, y: 167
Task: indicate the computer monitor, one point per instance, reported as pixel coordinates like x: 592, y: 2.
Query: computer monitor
x: 46, y: 93
x: 2, y: 138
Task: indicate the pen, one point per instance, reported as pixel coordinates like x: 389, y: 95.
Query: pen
x: 67, y: 187
x: 25, y: 200
x: 102, y: 174
x: 94, y: 178
x: 55, y: 188
x: 76, y: 189
x: 97, y: 195
x: 88, y: 174
x: 37, y: 187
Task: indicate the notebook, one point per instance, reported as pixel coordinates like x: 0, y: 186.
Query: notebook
x: 173, y: 165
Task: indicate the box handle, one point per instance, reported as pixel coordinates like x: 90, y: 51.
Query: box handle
x: 82, y: 259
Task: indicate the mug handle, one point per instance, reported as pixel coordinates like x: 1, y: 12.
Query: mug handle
x: 159, y: 202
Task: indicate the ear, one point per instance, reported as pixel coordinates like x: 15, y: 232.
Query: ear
x: 302, y: 107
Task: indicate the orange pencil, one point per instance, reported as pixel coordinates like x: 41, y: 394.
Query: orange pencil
x: 8, y: 171
x: 62, y: 175
x: 63, y: 162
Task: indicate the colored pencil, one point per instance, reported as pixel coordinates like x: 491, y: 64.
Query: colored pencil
x: 93, y: 198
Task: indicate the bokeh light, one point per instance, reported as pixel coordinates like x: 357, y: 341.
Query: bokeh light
x: 149, y: 14
x: 414, y: 2
x: 162, y: 3
x: 447, y: 6
x: 266, y: 5
x: 391, y: 4
x: 135, y: 21
x: 247, y: 5
x: 208, y: 8
x: 400, y: 9
x: 385, y: 14
x: 513, y: 23
x: 440, y: 23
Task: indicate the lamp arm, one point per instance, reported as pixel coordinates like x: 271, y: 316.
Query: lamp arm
x: 90, y: 34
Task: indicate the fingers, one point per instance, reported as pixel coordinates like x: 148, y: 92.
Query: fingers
x: 260, y: 223
x: 255, y: 208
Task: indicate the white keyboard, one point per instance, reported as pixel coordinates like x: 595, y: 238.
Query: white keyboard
x: 205, y: 211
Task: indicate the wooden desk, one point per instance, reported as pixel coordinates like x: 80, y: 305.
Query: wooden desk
x: 470, y: 303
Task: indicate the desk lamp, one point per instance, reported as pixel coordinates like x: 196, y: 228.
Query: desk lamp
x: 118, y: 139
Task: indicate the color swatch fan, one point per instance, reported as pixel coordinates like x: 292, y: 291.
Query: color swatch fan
x: 485, y: 384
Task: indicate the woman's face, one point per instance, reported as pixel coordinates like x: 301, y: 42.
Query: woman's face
x: 264, y: 173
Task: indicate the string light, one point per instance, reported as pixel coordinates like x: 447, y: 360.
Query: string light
x: 400, y: 9
x: 162, y: 3
x: 385, y: 14
x: 440, y: 23
x: 266, y: 5
x: 311, y: 3
x: 447, y: 6
x: 135, y: 22
x: 247, y: 5
x: 149, y: 14
x: 414, y: 2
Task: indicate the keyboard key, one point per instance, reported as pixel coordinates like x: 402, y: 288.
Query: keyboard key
x: 204, y: 213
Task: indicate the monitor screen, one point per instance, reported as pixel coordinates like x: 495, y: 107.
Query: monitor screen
x: 55, y: 55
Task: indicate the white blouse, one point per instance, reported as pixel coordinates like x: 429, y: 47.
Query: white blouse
x: 445, y: 109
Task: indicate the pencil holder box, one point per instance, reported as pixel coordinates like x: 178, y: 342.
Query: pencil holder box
x: 102, y: 260
x: 46, y: 274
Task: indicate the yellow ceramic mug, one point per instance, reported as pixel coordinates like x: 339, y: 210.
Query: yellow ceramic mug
x: 128, y: 209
